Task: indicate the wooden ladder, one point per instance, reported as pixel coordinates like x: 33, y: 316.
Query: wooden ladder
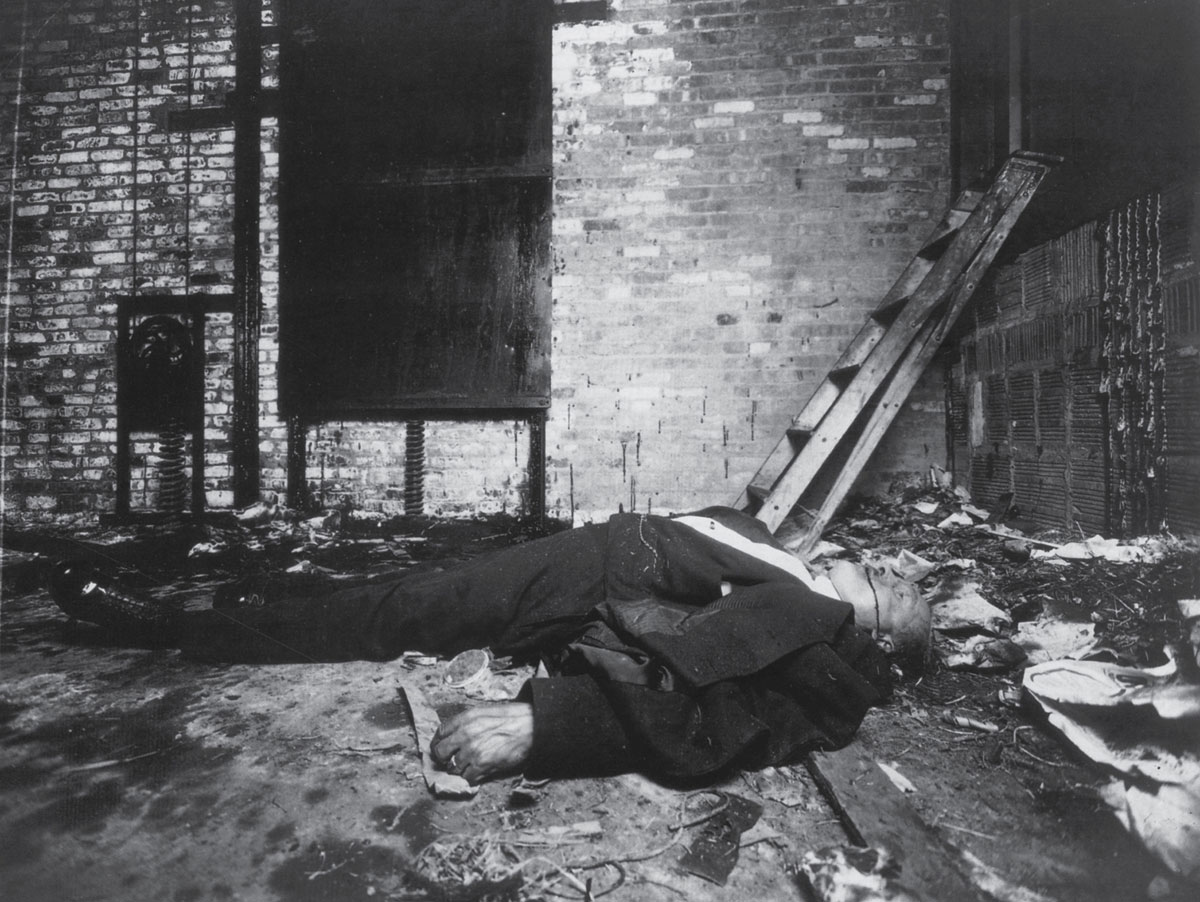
x: 864, y: 391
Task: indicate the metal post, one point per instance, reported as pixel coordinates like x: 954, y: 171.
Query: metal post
x: 247, y: 315
x: 196, y: 415
x: 297, y: 464
x: 537, y: 469
x: 123, y: 461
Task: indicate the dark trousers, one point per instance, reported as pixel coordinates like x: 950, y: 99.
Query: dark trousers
x: 512, y: 601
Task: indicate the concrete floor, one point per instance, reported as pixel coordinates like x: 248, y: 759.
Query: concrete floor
x: 129, y: 774
x: 138, y: 775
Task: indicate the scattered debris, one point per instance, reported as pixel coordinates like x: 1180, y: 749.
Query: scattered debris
x: 411, y: 659
x: 788, y: 786
x: 825, y: 549
x: 259, y: 512
x: 713, y: 853
x: 957, y: 605
x: 1050, y: 638
x: 470, y: 867
x: 971, y: 723
x: 1142, y: 724
x: 203, y: 548
x: 866, y: 523
x: 1009, y: 696
x: 570, y: 834
x: 956, y: 519
x: 1143, y: 550
x: 467, y: 668
x: 425, y: 722
x: 912, y: 567
x: 854, y: 874
x: 1100, y: 594
x: 986, y: 654
x: 898, y: 779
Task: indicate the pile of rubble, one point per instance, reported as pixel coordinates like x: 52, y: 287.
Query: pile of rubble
x: 1100, y: 635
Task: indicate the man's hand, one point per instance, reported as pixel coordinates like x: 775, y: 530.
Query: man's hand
x: 485, y: 742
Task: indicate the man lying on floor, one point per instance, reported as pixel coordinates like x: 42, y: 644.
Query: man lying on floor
x: 678, y: 647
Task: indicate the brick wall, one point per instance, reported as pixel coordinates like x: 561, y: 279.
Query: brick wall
x: 736, y: 184
x: 103, y: 199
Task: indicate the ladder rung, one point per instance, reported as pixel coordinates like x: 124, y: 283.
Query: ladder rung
x: 943, y: 234
x: 967, y: 201
x: 843, y: 374
x: 758, y: 493
x: 798, y: 435
x: 933, y: 248
x: 878, y: 369
x: 886, y: 314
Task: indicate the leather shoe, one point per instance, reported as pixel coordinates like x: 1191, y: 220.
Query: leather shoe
x: 86, y: 594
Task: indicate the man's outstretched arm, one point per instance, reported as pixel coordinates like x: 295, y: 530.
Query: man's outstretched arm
x: 558, y: 727
x: 485, y: 742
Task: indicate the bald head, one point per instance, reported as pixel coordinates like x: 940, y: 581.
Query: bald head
x: 890, y: 607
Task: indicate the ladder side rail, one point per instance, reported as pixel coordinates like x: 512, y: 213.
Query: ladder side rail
x: 827, y: 392
x: 1001, y: 205
x: 855, y: 353
x: 908, y: 371
x: 937, y: 280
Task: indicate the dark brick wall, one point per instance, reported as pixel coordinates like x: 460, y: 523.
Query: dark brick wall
x: 736, y: 184
x: 105, y: 199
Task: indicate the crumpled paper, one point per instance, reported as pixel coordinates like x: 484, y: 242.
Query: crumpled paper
x: 425, y: 722
x: 1142, y: 724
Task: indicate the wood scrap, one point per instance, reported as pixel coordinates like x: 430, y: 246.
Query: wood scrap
x: 876, y: 814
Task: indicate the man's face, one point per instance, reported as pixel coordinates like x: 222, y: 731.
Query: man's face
x: 891, y: 608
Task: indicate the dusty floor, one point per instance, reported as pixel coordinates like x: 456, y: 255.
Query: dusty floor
x: 131, y: 774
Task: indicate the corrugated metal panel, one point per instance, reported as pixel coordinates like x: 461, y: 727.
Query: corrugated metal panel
x: 1181, y: 303
x: 1036, y: 276
x: 1040, y: 490
x: 996, y: 411
x: 1047, y: 423
x: 1087, y: 424
x: 1009, y: 290
x: 960, y: 459
x: 1183, y: 501
x: 1021, y: 408
x: 990, y: 478
x: 989, y: 353
x: 1088, y: 495
x: 1083, y: 337
x: 970, y: 357
x: 1080, y: 264
x: 958, y: 423
x: 1181, y: 389
x: 1175, y: 222
x: 1034, y: 341
x: 1052, y: 408
x: 984, y: 301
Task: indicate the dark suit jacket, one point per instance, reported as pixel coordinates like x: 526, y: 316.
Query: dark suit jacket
x: 758, y: 677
